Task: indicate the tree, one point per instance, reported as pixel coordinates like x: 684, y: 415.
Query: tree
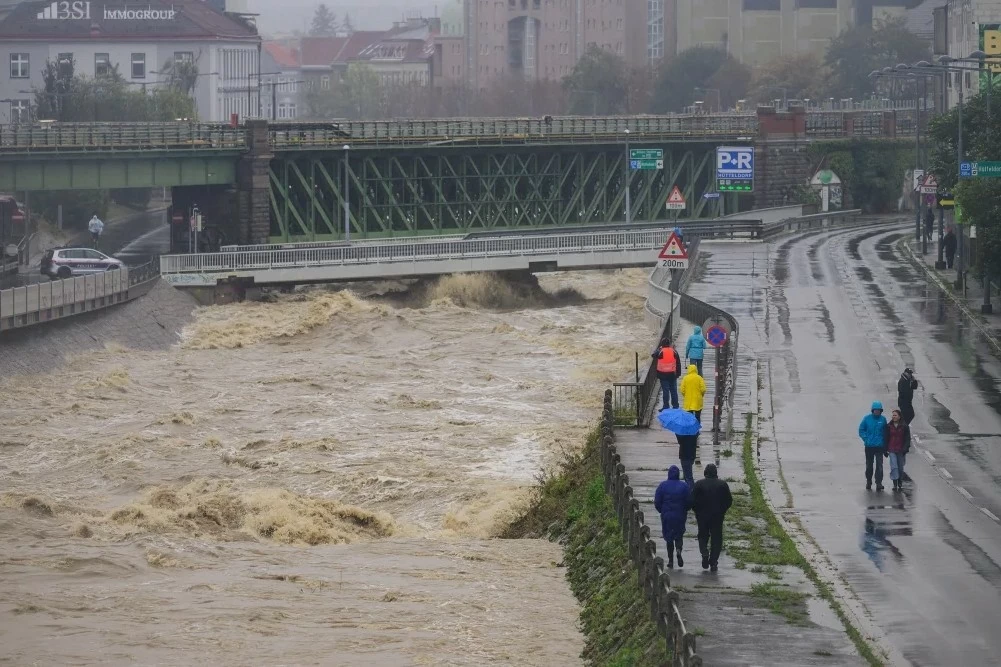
x: 856, y: 52
x: 700, y: 67
x: 358, y: 95
x: 798, y: 77
x: 346, y: 24
x: 181, y: 74
x: 324, y: 22
x: 598, y: 83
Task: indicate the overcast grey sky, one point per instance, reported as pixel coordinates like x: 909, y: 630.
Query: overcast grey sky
x: 288, y: 15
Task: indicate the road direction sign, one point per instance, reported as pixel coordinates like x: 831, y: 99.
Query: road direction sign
x: 735, y: 168
x: 710, y: 195
x: 716, y: 335
x: 919, y: 177
x: 930, y: 185
x: 646, y: 154
x: 646, y: 164
x: 673, y: 255
x: 675, y: 200
x: 980, y: 169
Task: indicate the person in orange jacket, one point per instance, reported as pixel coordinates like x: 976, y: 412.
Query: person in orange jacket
x: 668, y: 368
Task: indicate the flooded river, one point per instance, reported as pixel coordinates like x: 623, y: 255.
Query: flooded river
x: 313, y: 480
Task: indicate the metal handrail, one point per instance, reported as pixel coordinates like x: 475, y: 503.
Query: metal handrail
x: 418, y: 251
x: 125, y: 137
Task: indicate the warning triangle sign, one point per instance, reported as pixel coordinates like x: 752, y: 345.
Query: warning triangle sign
x: 675, y: 197
x: 673, y: 249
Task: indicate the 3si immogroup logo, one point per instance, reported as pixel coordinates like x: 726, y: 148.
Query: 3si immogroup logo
x: 69, y: 10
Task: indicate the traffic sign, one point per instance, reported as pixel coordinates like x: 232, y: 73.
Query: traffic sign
x: 980, y: 169
x: 675, y: 200
x: 716, y: 321
x: 716, y: 335
x: 673, y: 255
x: 646, y: 154
x: 646, y: 164
x: 919, y: 177
x: 735, y: 168
x: 930, y: 185
x: 710, y: 195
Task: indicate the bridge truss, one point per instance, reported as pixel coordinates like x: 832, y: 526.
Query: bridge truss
x: 442, y: 190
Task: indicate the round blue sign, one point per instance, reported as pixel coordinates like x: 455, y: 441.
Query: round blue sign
x: 716, y: 336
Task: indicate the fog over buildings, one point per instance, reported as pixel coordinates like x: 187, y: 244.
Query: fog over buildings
x: 285, y: 16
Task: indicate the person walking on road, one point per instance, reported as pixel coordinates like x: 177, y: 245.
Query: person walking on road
x: 95, y: 227
x: 949, y: 243
x: 897, y: 436
x: 905, y: 395
x: 872, y: 431
x: 929, y: 222
x: 673, y: 499
x: 710, y: 500
x: 668, y: 367
x: 695, y: 348
x: 693, y: 391
x: 688, y: 446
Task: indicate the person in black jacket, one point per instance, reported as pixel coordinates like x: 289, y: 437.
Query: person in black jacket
x: 949, y: 244
x: 711, y: 499
x: 688, y: 445
x: 905, y: 395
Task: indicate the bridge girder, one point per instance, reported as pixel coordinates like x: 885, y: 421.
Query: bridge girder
x: 447, y: 190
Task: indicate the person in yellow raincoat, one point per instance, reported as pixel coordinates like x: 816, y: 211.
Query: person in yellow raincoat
x: 693, y: 390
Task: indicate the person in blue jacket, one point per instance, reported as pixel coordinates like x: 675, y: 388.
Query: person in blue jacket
x: 673, y: 499
x: 871, y: 431
x: 695, y: 349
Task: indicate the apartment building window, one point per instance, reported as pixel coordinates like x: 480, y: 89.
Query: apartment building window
x: 512, y: 4
x: 816, y: 4
x: 767, y: 5
x: 184, y: 57
x: 286, y: 110
x: 536, y: 4
x: 65, y: 59
x: 20, y: 111
x: 102, y: 65
x: 138, y: 65
x: 325, y: 82
x: 19, y: 66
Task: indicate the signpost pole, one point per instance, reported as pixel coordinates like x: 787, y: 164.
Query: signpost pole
x: 629, y: 204
x: 940, y: 262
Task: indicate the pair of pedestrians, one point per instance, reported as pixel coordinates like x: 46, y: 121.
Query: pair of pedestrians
x: 881, y: 438
x: 710, y: 498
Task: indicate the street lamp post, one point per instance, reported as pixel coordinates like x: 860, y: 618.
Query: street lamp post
x: 629, y: 204
x: 347, y: 209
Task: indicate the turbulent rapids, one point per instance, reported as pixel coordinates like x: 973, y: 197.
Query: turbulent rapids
x: 318, y: 478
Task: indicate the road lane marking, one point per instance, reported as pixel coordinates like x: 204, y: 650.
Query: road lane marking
x: 928, y: 455
x: 946, y: 473
x: 990, y: 514
x: 966, y: 494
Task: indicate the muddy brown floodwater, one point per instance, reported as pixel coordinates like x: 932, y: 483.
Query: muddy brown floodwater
x: 314, y: 480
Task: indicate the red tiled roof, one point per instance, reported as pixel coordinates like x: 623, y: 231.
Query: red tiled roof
x: 283, y: 55
x: 399, y: 50
x: 324, y: 51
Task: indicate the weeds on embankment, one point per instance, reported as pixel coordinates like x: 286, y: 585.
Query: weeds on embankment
x: 571, y: 506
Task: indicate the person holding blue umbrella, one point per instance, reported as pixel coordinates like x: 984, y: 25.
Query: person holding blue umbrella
x: 686, y: 429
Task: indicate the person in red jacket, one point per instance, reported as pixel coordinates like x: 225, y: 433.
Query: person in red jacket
x: 897, y: 438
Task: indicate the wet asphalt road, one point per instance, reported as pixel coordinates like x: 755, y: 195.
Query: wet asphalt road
x: 834, y: 318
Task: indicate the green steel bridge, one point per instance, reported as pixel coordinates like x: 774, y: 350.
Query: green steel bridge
x: 289, y: 182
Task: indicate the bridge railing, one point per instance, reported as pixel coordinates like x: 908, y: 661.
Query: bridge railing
x: 84, y: 137
x: 477, y: 130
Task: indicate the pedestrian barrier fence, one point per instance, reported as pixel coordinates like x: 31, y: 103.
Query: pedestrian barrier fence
x: 43, y: 302
x: 125, y: 137
x: 653, y: 579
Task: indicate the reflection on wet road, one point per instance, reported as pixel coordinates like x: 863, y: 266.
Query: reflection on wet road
x: 833, y: 321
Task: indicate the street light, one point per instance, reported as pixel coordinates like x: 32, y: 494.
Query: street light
x: 629, y: 204
x: 347, y: 210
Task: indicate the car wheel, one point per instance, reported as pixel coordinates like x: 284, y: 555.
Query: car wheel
x: 64, y: 272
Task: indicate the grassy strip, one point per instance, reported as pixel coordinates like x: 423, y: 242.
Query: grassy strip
x: 779, y: 549
x: 571, y: 505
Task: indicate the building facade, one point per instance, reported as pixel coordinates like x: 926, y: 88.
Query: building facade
x: 965, y: 26
x: 142, y: 42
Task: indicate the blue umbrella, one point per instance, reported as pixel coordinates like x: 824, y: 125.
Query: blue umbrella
x: 679, y: 422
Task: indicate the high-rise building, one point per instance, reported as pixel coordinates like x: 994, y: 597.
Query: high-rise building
x: 543, y: 39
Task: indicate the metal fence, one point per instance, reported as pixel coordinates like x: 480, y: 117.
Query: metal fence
x: 653, y: 579
x: 430, y: 250
x: 125, y: 137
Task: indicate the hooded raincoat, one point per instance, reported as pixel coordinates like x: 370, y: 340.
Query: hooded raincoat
x: 693, y: 390
x: 673, y: 499
x: 873, y: 427
x: 696, y: 346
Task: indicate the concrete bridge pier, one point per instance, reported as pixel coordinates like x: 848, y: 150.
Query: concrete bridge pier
x: 253, y: 205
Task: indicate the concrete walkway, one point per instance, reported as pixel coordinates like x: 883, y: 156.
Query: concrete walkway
x: 735, y: 612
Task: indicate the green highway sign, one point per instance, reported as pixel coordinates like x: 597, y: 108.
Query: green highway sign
x: 736, y: 187
x: 646, y: 154
x: 646, y: 163
x: 980, y: 170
